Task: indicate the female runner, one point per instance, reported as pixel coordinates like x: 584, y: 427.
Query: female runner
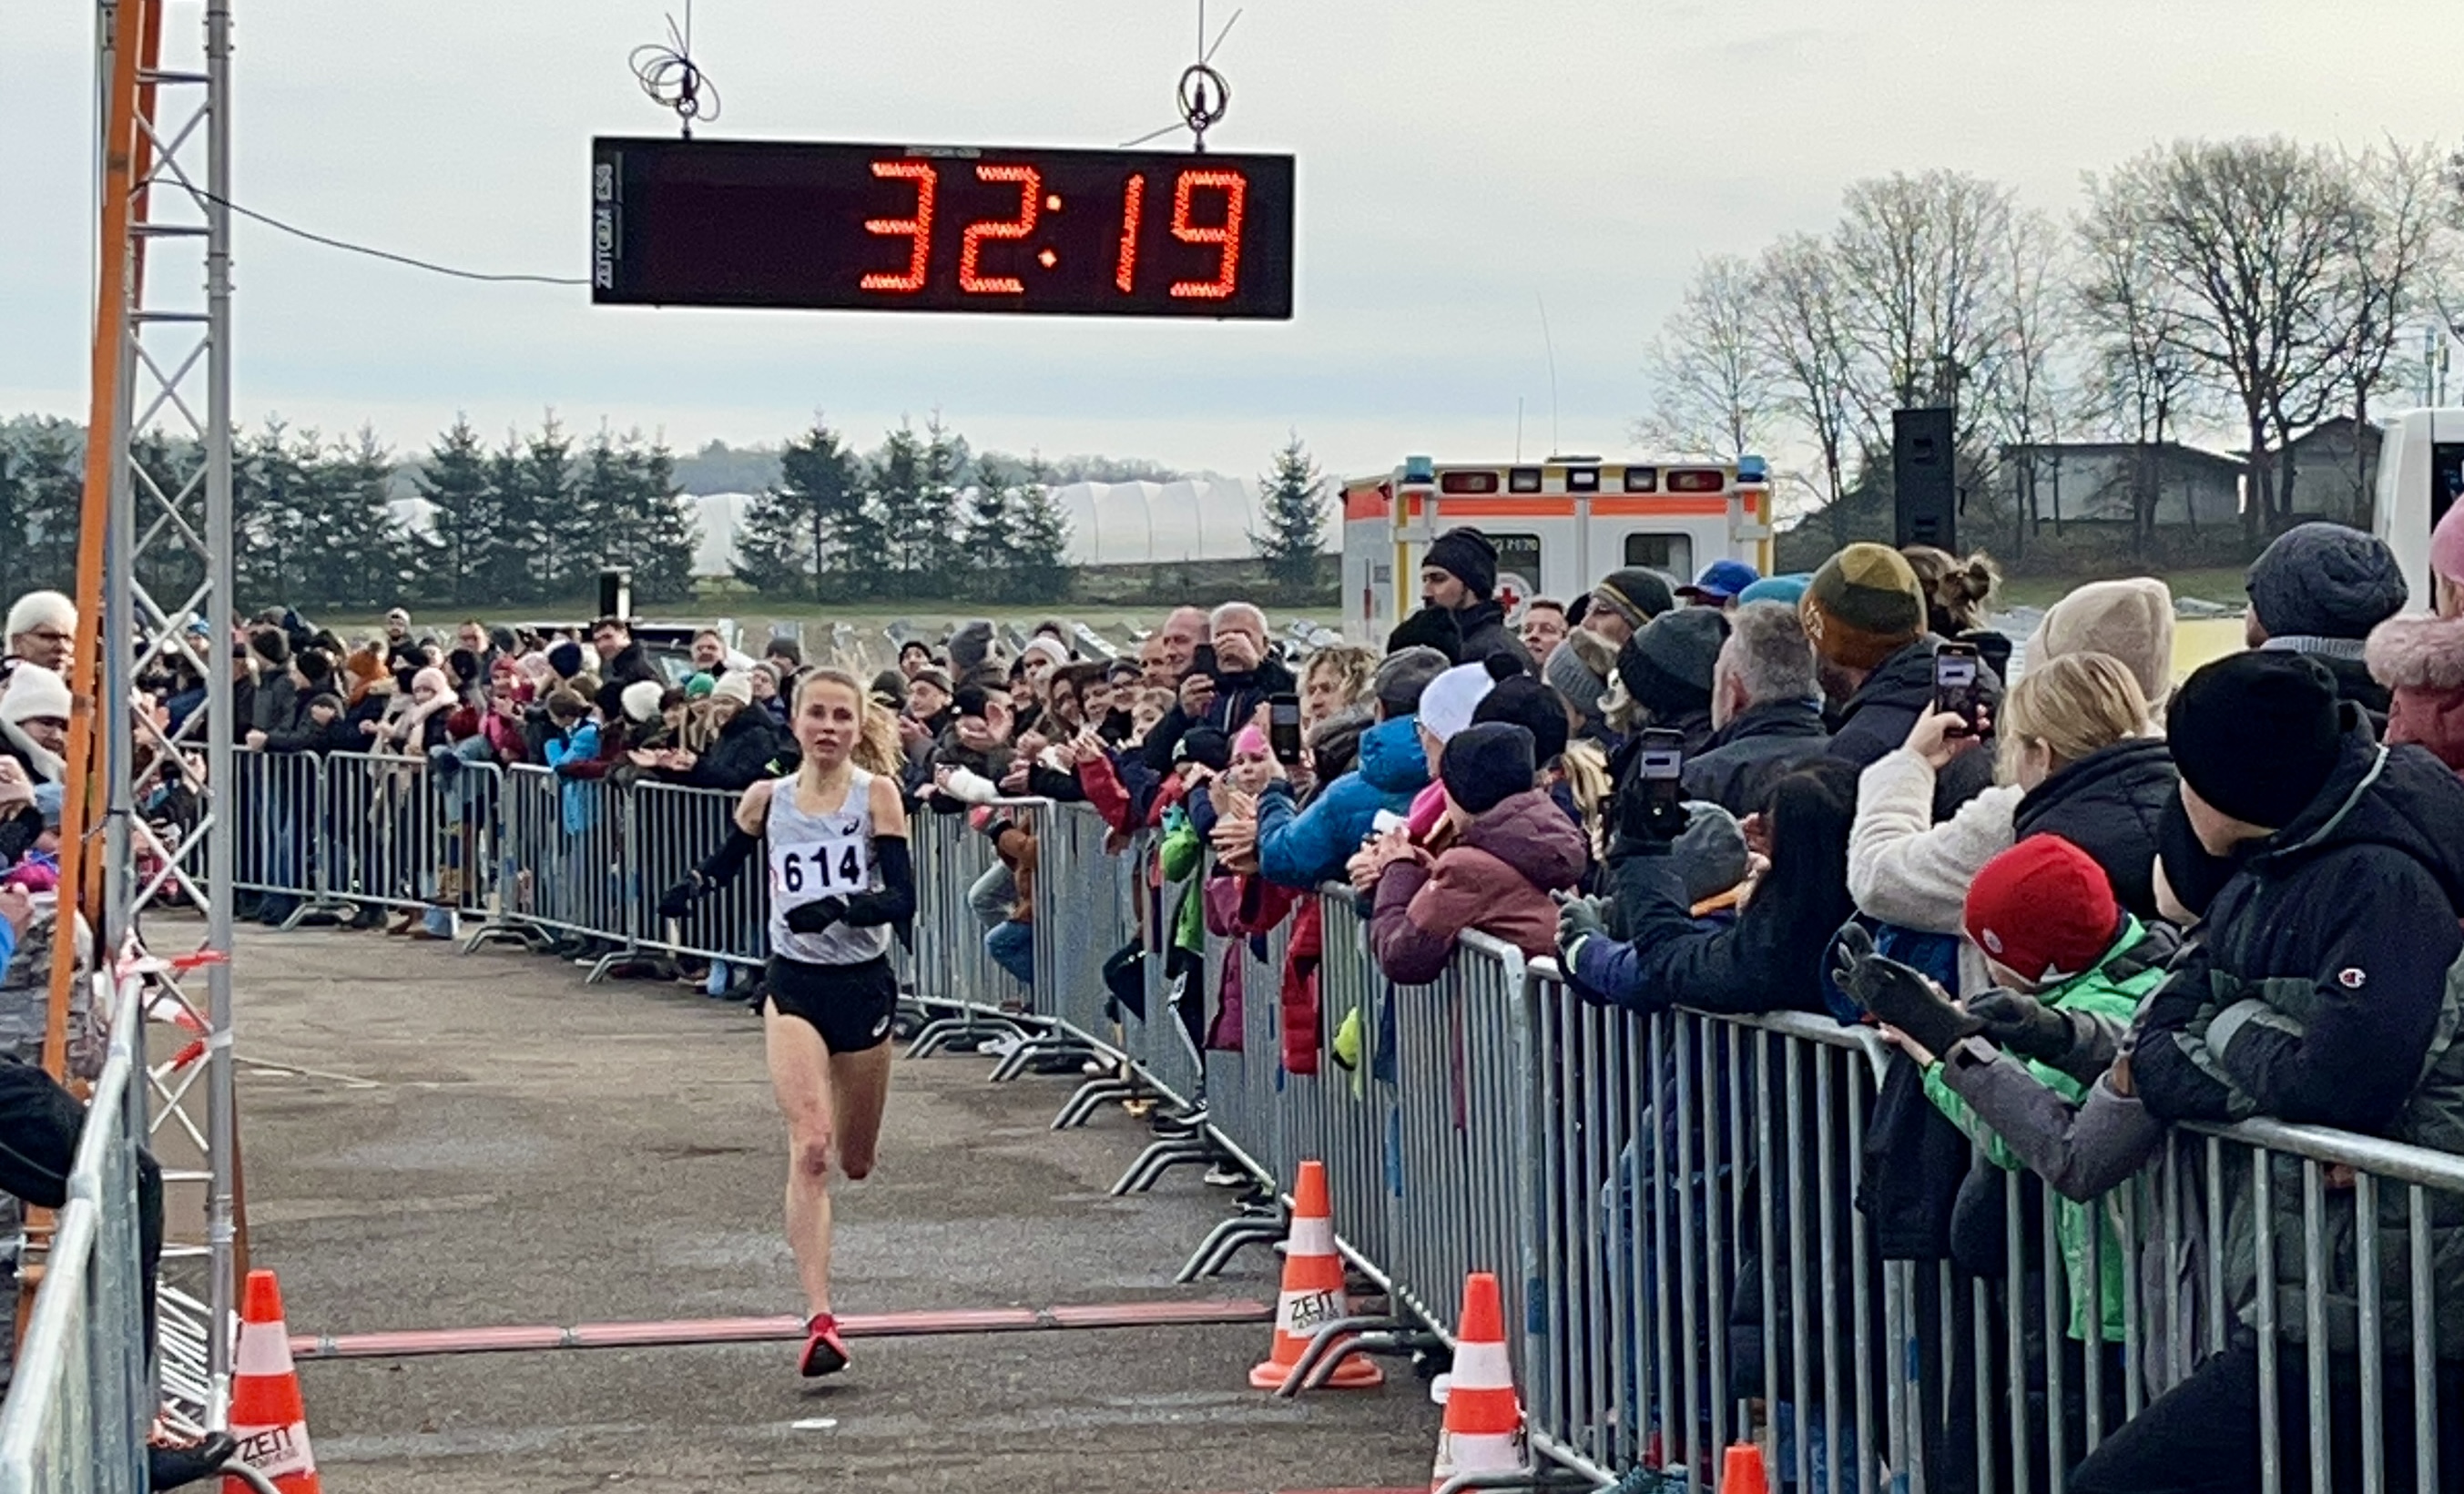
x: 839, y: 879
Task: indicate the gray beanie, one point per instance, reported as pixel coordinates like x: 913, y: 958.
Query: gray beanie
x: 970, y: 646
x: 2325, y: 581
x: 1710, y: 852
x: 1579, y: 668
x: 1403, y: 675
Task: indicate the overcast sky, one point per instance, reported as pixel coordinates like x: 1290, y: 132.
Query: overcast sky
x: 1458, y: 164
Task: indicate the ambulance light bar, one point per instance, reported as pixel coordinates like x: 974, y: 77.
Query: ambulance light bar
x: 1468, y: 482
x: 1752, y: 469
x: 1643, y: 479
x: 1523, y: 479
x: 1582, y: 479
x: 1419, y: 471
x: 1697, y: 479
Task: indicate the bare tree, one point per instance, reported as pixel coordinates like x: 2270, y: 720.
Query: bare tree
x: 2401, y: 250
x: 1803, y: 321
x: 1920, y: 263
x: 2138, y: 386
x: 2251, y: 238
x: 1714, y: 384
x: 2021, y: 400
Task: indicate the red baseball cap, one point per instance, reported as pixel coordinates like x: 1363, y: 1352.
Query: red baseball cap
x: 2043, y: 909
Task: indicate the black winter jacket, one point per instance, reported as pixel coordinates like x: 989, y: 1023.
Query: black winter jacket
x: 1237, y: 698
x: 1735, y: 772
x: 741, y: 756
x: 275, y: 705
x: 1876, y: 719
x: 2109, y: 804
x: 1484, y: 632
x: 2315, y: 987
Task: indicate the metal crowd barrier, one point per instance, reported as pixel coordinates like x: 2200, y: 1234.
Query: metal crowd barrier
x: 1671, y: 1202
x: 81, y: 1396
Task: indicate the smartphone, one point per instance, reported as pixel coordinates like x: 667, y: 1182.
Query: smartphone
x: 1958, y: 686
x: 1650, y: 804
x: 1284, y: 727
x: 1202, y: 661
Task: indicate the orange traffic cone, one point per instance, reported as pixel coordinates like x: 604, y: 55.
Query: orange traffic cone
x: 1742, y: 1472
x: 1313, y: 1292
x: 266, y: 1412
x: 1483, y: 1426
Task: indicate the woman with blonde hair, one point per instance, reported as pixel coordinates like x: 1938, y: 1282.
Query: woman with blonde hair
x: 841, y: 880
x: 2076, y: 758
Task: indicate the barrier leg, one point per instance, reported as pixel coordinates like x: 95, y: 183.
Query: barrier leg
x: 1165, y: 1155
x: 1257, y: 1224
x: 1092, y: 1096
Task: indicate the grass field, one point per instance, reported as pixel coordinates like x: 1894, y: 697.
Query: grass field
x: 2221, y: 585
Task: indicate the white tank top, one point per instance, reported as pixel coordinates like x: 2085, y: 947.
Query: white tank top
x: 816, y: 856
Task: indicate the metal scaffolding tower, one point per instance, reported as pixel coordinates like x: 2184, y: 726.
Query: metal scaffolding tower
x: 148, y: 844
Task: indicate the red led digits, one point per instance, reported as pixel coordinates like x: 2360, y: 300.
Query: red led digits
x: 1031, y: 187
x: 1235, y: 187
x: 919, y: 228
x: 1133, y: 198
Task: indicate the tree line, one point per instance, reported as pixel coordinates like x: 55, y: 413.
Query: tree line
x: 531, y: 519
x: 316, y: 522
x: 2240, y: 291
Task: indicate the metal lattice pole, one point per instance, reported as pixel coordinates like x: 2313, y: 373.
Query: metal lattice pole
x: 168, y: 562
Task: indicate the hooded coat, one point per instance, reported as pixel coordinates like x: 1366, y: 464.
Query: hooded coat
x: 2421, y: 661
x: 1303, y: 847
x: 1496, y: 877
x: 2324, y: 989
x: 2109, y: 804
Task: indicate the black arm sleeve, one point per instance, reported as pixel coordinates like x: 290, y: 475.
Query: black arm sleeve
x: 895, y: 902
x: 724, y: 863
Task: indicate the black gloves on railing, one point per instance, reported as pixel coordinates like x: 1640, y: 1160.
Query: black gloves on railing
x: 1900, y: 995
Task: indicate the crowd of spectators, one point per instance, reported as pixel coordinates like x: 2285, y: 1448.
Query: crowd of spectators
x: 2089, y: 904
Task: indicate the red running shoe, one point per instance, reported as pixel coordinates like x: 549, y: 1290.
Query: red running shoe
x: 825, y: 1352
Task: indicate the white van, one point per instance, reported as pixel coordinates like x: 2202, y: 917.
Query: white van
x: 2421, y: 470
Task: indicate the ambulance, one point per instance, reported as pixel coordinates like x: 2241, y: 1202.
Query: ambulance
x: 2421, y: 471
x: 1559, y: 525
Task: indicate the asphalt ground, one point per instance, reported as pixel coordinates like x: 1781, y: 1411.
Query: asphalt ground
x: 432, y: 1141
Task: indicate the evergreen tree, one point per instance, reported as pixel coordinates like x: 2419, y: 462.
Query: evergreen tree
x: 1037, y: 555
x: 466, y: 518
x: 276, y: 520
x: 987, y: 534
x: 509, y: 575
x: 941, y: 470
x: 659, y: 533
x: 802, y: 530
x: 42, y: 489
x: 567, y: 547
x: 359, y: 559
x: 1295, y: 515
x: 909, y: 545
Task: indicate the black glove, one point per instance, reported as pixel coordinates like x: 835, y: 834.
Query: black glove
x: 678, y: 900
x: 816, y: 916
x: 2024, y: 1024
x: 1899, y: 994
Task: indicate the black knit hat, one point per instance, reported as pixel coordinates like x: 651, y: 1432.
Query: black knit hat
x: 271, y: 644
x: 566, y: 658
x: 315, y: 665
x: 2257, y: 734
x: 1484, y: 766
x: 1468, y: 557
x: 1524, y: 701
x: 1204, y: 745
x: 1667, y: 666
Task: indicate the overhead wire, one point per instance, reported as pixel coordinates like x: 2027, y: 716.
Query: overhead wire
x: 411, y: 260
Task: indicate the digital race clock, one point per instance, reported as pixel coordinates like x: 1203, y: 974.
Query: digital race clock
x: 912, y: 228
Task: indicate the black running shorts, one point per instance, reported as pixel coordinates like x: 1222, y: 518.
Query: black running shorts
x: 849, y: 1005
